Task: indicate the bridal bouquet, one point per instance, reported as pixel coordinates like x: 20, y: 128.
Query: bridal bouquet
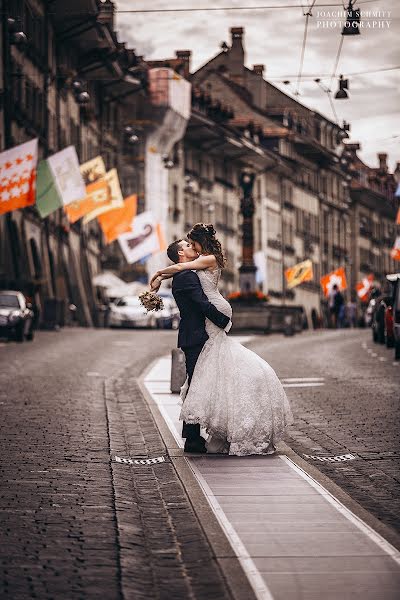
x: 151, y: 301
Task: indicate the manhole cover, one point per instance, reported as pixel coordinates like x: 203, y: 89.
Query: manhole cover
x: 140, y: 461
x: 339, y: 458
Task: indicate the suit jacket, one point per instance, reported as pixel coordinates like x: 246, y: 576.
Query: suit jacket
x: 194, y: 307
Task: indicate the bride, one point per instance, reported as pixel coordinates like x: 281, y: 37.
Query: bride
x: 233, y: 393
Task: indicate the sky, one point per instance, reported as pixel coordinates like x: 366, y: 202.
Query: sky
x: 274, y: 37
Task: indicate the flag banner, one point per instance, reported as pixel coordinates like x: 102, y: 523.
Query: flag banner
x: 299, y: 273
x: 65, y: 168
x: 118, y: 221
x: 364, y: 287
x: 398, y: 215
x: 18, y: 176
x: 97, y: 194
x: 395, y: 252
x: 142, y: 241
x: 59, y: 182
x: 93, y: 170
x: 162, y: 243
x: 337, y: 277
x: 48, y: 198
x: 116, y: 200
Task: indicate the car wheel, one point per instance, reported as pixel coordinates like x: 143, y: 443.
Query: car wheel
x: 19, y: 333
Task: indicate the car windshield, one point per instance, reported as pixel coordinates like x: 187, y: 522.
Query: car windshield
x: 129, y: 301
x: 9, y: 300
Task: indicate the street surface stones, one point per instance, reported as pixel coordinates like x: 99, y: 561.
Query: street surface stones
x: 293, y: 538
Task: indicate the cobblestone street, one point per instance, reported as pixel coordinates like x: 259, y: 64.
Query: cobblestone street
x: 355, y: 410
x: 79, y: 525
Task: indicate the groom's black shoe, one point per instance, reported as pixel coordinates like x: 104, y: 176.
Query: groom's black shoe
x: 197, y: 446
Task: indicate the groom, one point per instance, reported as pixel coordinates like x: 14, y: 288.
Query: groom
x: 194, y: 307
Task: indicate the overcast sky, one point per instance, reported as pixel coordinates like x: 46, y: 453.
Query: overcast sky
x: 274, y: 37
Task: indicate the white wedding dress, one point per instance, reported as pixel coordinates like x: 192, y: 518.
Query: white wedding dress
x: 234, y: 393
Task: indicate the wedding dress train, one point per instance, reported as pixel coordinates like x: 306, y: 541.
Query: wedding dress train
x: 234, y: 393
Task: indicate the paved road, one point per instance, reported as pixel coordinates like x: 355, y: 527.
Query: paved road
x: 75, y: 524
x: 355, y: 411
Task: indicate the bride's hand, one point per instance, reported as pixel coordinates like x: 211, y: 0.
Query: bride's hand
x: 154, y: 278
x: 155, y: 283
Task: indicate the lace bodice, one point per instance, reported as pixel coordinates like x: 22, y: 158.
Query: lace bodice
x: 209, y: 282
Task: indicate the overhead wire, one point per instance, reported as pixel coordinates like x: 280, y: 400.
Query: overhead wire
x: 229, y: 8
x: 307, y: 15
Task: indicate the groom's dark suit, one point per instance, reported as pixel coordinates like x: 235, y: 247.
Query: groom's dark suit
x: 194, y: 307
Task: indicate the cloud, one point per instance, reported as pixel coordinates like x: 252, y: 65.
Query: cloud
x: 274, y: 38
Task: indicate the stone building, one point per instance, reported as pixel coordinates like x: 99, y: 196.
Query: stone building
x: 373, y: 217
x: 69, y: 82
x: 301, y: 197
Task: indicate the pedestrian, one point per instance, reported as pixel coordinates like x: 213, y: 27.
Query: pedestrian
x: 331, y: 305
x: 338, y: 307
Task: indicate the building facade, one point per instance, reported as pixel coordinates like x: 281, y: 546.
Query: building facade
x: 66, y: 80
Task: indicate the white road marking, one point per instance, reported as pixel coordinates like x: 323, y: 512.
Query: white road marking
x: 395, y: 363
x: 93, y: 374
x: 301, y: 379
x: 291, y: 385
x: 256, y: 581
x: 382, y: 358
x: 370, y: 533
x: 374, y: 354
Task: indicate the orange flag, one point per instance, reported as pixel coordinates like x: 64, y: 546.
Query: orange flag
x: 395, y: 252
x: 98, y: 194
x: 119, y: 220
x: 364, y: 287
x: 398, y: 217
x: 161, y: 238
x: 337, y: 277
x: 18, y: 176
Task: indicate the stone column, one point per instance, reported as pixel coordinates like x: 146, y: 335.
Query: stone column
x: 247, y: 271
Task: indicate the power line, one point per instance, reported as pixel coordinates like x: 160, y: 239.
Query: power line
x: 307, y: 15
x: 311, y: 77
x: 228, y: 8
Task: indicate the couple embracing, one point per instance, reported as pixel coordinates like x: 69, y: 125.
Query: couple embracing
x: 229, y: 390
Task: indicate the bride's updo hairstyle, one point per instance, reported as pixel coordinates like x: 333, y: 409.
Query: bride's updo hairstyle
x: 205, y: 235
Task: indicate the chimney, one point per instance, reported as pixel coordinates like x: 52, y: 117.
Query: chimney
x: 106, y: 13
x: 259, y: 69
x: 353, y: 146
x: 184, y: 56
x: 236, y: 55
x: 383, y: 162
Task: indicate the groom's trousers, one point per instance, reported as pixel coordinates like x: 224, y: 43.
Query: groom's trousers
x: 191, y: 431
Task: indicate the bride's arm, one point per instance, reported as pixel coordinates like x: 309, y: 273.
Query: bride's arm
x: 199, y: 264
x: 156, y: 282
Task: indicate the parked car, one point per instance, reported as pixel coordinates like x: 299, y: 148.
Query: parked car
x: 389, y: 330
x: 16, y: 316
x: 378, y: 318
x: 395, y: 281
x: 168, y: 318
x: 128, y: 312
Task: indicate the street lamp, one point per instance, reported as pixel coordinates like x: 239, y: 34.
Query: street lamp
x: 341, y: 94
x: 351, y: 27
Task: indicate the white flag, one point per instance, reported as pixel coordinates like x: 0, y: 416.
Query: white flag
x: 142, y: 240
x: 64, y: 166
